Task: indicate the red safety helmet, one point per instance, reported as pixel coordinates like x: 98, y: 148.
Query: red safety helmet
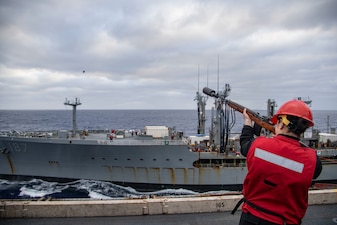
x: 295, y: 108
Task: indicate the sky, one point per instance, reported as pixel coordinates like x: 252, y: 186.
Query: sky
x: 157, y: 54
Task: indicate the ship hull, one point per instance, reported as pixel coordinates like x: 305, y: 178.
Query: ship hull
x: 137, y: 164
x: 143, y: 165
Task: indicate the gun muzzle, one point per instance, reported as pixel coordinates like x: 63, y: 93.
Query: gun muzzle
x: 209, y: 92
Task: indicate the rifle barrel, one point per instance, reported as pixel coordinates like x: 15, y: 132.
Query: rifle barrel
x: 263, y: 122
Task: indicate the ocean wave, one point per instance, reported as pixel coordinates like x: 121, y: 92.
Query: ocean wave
x: 37, y: 188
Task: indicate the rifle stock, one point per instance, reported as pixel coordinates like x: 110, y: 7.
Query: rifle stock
x: 260, y: 120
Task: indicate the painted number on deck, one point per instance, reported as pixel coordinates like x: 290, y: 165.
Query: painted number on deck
x: 220, y: 204
x: 18, y: 147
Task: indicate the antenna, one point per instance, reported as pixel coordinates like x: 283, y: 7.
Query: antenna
x: 207, y: 75
x: 198, y: 77
x: 218, y: 76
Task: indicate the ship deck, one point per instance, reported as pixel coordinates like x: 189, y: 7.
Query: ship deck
x: 316, y: 215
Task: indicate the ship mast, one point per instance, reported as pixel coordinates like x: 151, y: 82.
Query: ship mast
x: 219, y: 133
x: 271, y: 105
x: 74, y: 104
x: 201, y: 101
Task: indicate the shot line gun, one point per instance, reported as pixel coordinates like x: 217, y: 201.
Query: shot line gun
x: 263, y: 121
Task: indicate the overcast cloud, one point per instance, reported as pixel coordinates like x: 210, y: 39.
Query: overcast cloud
x: 145, y: 54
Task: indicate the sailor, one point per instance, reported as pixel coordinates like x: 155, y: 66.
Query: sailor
x: 280, y: 168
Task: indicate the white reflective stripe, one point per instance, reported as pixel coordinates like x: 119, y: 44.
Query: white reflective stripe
x: 279, y: 160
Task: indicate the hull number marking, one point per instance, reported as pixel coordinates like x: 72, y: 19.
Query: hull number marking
x: 18, y: 147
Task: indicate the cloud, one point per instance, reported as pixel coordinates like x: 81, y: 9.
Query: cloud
x: 146, y: 54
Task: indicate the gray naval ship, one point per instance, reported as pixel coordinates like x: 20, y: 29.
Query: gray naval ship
x: 157, y: 157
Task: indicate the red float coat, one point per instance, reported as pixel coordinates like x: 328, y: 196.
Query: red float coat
x: 280, y: 172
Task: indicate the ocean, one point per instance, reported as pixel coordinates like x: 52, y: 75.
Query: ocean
x: 53, y: 120
x: 183, y: 120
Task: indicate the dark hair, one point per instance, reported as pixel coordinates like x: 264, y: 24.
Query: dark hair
x: 297, y: 125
